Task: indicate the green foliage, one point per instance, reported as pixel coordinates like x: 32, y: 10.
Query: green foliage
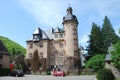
x: 4, y: 72
x: 101, y: 38
x: 108, y: 35
x: 48, y: 72
x: 94, y: 46
x: 96, y: 62
x: 116, y: 55
x: 12, y: 46
x: 18, y: 66
x: 105, y: 74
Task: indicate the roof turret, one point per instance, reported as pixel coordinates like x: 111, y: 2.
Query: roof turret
x: 69, y: 16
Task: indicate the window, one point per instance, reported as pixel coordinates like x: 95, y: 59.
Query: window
x: 41, y: 44
x: 61, y: 55
x: 41, y: 55
x: 30, y: 55
x: 76, y: 53
x: 35, y: 36
x: 60, y: 45
x: 61, y: 35
x: 31, y: 45
x: 56, y: 35
x: 74, y: 32
x: 75, y: 41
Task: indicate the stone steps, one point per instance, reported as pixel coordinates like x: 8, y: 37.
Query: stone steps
x: 114, y: 70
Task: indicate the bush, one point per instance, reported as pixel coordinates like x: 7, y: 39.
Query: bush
x: 105, y: 74
x: 115, y: 54
x: 4, y: 72
x: 48, y: 72
x: 96, y: 62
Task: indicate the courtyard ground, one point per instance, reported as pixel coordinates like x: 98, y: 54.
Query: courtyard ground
x: 44, y: 77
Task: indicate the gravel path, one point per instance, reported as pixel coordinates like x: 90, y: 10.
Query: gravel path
x: 40, y: 77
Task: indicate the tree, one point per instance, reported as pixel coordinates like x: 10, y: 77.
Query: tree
x: 108, y: 35
x: 94, y: 46
x: 116, y: 55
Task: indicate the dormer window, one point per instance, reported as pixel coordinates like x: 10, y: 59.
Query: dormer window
x: 37, y: 35
x: 61, y: 35
x: 56, y: 35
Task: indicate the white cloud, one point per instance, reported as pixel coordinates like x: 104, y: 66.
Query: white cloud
x: 49, y: 13
x: 46, y: 13
x: 84, y: 38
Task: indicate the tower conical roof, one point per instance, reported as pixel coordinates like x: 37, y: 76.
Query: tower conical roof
x: 69, y: 16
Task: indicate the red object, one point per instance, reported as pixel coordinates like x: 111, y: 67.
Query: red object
x: 11, y: 67
x: 58, y: 73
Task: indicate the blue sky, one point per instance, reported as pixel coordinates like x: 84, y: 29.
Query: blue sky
x: 19, y: 18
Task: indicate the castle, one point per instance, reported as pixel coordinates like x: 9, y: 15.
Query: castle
x: 55, y: 47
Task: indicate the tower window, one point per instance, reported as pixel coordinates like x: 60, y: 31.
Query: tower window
x: 75, y: 41
x: 76, y: 53
x: 74, y: 32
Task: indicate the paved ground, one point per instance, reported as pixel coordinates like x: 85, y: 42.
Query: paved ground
x: 40, y: 77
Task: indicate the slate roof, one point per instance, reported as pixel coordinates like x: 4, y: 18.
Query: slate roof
x: 47, y: 34
x: 69, y: 15
x: 3, y: 49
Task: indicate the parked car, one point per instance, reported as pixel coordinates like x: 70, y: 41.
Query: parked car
x: 17, y: 73
x: 58, y: 72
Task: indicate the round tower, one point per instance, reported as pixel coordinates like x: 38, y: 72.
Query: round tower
x: 70, y: 24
